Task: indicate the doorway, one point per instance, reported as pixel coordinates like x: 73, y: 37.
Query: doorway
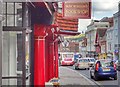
x: 15, y: 56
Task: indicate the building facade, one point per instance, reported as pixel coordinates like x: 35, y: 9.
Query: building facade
x: 91, y: 34
x: 116, y: 35
x: 1, y: 19
x: 69, y: 46
x: 110, y: 43
x: 82, y: 47
x: 15, y: 20
x: 100, y: 42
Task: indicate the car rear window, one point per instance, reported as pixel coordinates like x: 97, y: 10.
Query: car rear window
x: 106, y: 63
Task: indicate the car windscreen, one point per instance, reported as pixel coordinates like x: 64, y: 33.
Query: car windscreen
x: 67, y: 55
x: 76, y: 56
x: 92, y: 60
x: 83, y: 60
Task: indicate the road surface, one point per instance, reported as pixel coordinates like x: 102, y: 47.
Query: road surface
x: 110, y: 81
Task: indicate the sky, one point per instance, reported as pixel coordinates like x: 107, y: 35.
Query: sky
x: 100, y: 9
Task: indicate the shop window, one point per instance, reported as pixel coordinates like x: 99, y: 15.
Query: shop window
x: 15, y: 56
x: 10, y: 8
x: 15, y: 46
x: 12, y: 14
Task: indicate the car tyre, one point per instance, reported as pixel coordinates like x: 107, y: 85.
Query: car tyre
x: 115, y: 77
x: 95, y: 78
x: 76, y: 68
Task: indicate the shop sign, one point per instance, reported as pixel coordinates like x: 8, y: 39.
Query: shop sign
x: 77, y: 10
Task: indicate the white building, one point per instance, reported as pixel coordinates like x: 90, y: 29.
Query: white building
x: 110, y: 41
x: 82, y: 47
x: 91, y: 34
x: 116, y: 34
x: 1, y: 19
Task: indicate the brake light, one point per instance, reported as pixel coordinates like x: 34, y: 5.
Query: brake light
x: 114, y: 66
x: 97, y: 66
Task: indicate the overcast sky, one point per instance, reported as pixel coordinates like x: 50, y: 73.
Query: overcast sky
x: 100, y: 9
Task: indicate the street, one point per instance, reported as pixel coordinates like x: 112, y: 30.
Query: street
x: 100, y: 82
x: 48, y: 43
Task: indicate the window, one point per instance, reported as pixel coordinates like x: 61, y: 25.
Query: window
x: 110, y: 46
x: 115, y: 45
x: 13, y: 14
x: 115, y: 21
x: 106, y: 63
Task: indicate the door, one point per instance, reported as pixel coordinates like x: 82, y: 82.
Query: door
x: 14, y: 56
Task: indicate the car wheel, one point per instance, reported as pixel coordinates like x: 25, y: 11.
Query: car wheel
x: 88, y: 68
x: 115, y: 77
x: 76, y: 68
x: 95, y: 78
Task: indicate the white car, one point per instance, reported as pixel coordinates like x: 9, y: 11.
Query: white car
x: 82, y: 64
x: 91, y: 61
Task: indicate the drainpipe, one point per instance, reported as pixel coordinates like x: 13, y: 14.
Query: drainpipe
x: 1, y: 18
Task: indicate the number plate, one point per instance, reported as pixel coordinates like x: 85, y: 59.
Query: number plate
x: 106, y: 69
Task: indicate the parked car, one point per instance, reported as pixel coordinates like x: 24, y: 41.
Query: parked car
x: 81, y: 64
x: 103, y: 68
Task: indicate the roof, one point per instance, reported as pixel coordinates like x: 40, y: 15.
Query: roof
x: 106, y: 19
x: 92, y: 22
x: 66, y: 23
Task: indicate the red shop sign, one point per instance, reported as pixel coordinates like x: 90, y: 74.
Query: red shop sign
x: 77, y: 10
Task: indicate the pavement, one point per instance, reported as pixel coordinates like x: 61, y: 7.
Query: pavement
x: 71, y: 77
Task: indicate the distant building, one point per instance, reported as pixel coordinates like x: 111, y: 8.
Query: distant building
x: 110, y: 41
x: 100, y: 41
x: 91, y: 34
x: 70, y: 47
x: 82, y: 47
x: 69, y: 44
x: 116, y: 35
x: 76, y: 44
x: 107, y: 19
